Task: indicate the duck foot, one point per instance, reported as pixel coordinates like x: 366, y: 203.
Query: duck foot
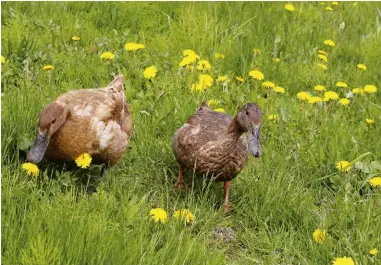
x: 180, y: 183
x: 104, y: 171
x: 181, y: 186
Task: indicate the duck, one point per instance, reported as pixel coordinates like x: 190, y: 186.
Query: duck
x: 96, y: 121
x: 215, y: 144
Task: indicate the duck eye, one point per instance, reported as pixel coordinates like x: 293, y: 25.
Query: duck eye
x: 53, y: 121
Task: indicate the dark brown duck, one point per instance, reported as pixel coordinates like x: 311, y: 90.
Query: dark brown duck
x: 213, y: 143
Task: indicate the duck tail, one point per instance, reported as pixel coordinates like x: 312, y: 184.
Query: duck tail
x: 117, y: 84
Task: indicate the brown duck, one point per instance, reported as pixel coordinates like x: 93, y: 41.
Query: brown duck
x: 213, y: 143
x: 93, y: 121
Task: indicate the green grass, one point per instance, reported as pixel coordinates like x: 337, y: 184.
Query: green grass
x: 278, y: 200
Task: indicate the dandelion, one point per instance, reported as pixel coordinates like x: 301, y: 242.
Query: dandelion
x: 362, y: 66
x: 256, y: 74
x: 189, y: 52
x: 2, y: 59
x: 375, y: 182
x: 256, y: 52
x: 31, y: 169
x: 268, y: 84
x: 83, y: 161
x: 279, y: 89
x: 150, y: 72
x: 343, y: 166
x: 75, y: 38
x: 289, y: 7
x: 108, y: 56
x: 203, y: 65
x: 219, y: 56
x: 359, y: 91
x: 158, y: 215
x: 302, y: 95
x: 322, y: 52
x: 319, y: 88
x: 314, y: 100
x: 188, y: 60
x: 323, y: 57
x: 343, y: 261
x: 212, y: 102
x: 341, y: 84
x: 219, y: 110
x: 322, y: 66
x: 330, y: 43
x: 48, y: 67
x: 206, y: 80
x: 370, y: 89
x: 328, y: 8
x: 132, y: 46
x: 369, y: 121
x: 273, y: 117
x: 344, y: 101
x: 330, y: 95
x: 374, y: 251
x: 223, y: 78
x: 319, y: 235
x: 184, y: 214
x: 276, y: 60
x: 334, y: 3
x: 240, y: 79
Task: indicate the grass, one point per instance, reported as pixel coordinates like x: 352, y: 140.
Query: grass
x: 278, y: 200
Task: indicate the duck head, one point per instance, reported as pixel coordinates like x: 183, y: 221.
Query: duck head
x: 51, y: 119
x: 249, y: 119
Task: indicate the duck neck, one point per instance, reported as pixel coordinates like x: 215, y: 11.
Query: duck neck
x: 235, y: 129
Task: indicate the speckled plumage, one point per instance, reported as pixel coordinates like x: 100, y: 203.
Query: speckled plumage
x: 210, y: 142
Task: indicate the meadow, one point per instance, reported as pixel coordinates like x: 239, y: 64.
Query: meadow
x: 297, y: 204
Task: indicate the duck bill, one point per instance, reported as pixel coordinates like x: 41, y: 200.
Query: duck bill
x: 37, y: 152
x: 254, y: 143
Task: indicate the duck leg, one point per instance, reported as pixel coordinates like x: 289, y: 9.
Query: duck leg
x: 104, y: 170
x: 180, y: 183
x: 226, y: 196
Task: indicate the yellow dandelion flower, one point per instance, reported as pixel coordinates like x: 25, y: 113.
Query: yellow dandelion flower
x: 256, y: 51
x: 322, y: 52
x: 344, y: 101
x: 334, y: 3
x: 328, y: 8
x: 289, y: 7
x: 341, y: 84
x: 268, y: 84
x: 279, y: 89
x: 369, y: 121
x: 75, y: 38
x: 31, y: 169
x: 190, y: 59
x: 362, y: 66
x: 374, y: 251
x: 343, y: 166
x: 206, y: 80
x: 319, y: 235
x: 314, y: 100
x: 2, y: 59
x: 150, y: 72
x: 256, y: 74
x: 219, y: 110
x: 319, y: 88
x: 184, y: 214
x: 212, y: 102
x: 359, y: 91
x: 276, y: 60
x: 240, y: 79
x: 48, y: 67
x: 322, y: 66
x: 219, y: 56
x: 108, y: 56
x: 343, y: 261
x: 196, y: 87
x: 83, y: 161
x: 159, y: 215
x: 330, y: 43
x: 189, y: 52
x: 375, y: 182
x: 370, y: 89
x: 273, y: 117
x: 330, y: 95
x: 223, y: 78
x: 132, y: 46
x: 323, y: 57
x: 302, y: 95
x: 203, y: 65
